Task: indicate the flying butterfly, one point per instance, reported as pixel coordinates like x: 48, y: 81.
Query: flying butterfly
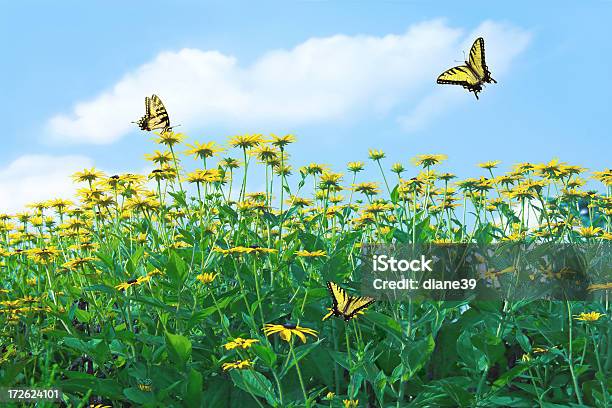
x: 473, y: 74
x: 156, y: 116
x: 344, y: 305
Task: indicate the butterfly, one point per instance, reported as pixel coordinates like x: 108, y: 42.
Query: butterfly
x: 346, y: 306
x: 145, y: 385
x: 471, y: 75
x: 156, y: 116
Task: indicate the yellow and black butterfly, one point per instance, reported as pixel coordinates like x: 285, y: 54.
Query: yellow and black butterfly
x: 145, y: 384
x: 156, y: 116
x: 346, y: 306
x: 471, y: 75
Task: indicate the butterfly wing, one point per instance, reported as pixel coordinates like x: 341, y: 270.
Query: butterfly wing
x: 355, y: 305
x: 477, y: 61
x: 159, y: 118
x: 142, y: 122
x: 156, y: 116
x: 462, y: 75
x: 339, y: 298
x: 345, y: 305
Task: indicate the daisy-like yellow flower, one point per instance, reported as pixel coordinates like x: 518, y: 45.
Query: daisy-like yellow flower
x: 281, y: 141
x: 367, y: 188
x: 126, y: 285
x: 246, y: 141
x: 160, y: 158
x: 349, y: 403
x: 240, y: 343
x: 315, y: 254
x: 205, y: 150
x: 330, y: 180
x: 238, y: 365
x: 398, y: 168
x: 600, y: 286
x: 207, y: 277
x: 489, y: 164
x: 376, y: 154
x: 589, y: 317
x: 355, y: 167
x: 78, y: 263
x: 87, y: 175
x: 43, y: 255
x: 604, y: 176
x: 526, y: 358
x: 287, y: 330
x: 169, y: 138
x: 590, y: 232
x: 427, y: 160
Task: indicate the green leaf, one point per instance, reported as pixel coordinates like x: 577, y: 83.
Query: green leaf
x: 475, y: 360
x: 266, y: 355
x: 179, y: 348
x: 385, y: 322
x: 138, y: 396
x: 82, y: 316
x: 415, y: 355
x: 508, y: 376
x: 176, y: 270
x: 300, y: 353
x: 255, y: 383
x: 193, y: 394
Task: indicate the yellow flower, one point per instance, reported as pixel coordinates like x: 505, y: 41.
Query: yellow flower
x: 125, y: 285
x: 590, y: 232
x: 43, y: 255
x: 206, y: 277
x: 88, y: 175
x: 427, y: 160
x: 600, y: 286
x: 169, y: 138
x: 376, y: 154
x: 397, y: 168
x: 204, y: 151
x: 539, y: 350
x: 350, y: 403
x: 330, y: 180
x: 78, y: 263
x: 286, y: 330
x: 355, y: 167
x: 239, y: 365
x: 160, y: 158
x: 329, y: 395
x: 367, y: 188
x: 604, y: 176
x: 315, y: 254
x: 246, y: 141
x: 526, y: 357
x: 282, y: 141
x: 489, y: 164
x: 589, y: 317
x: 240, y: 343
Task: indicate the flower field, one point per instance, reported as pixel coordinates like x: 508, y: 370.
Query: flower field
x: 181, y: 288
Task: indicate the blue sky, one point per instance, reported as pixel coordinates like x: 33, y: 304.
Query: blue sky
x: 343, y: 76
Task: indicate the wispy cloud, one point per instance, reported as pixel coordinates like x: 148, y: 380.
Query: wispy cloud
x: 33, y: 178
x: 319, y: 80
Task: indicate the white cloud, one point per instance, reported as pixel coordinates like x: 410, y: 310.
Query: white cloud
x: 321, y: 79
x: 34, y: 178
x: 503, y: 43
